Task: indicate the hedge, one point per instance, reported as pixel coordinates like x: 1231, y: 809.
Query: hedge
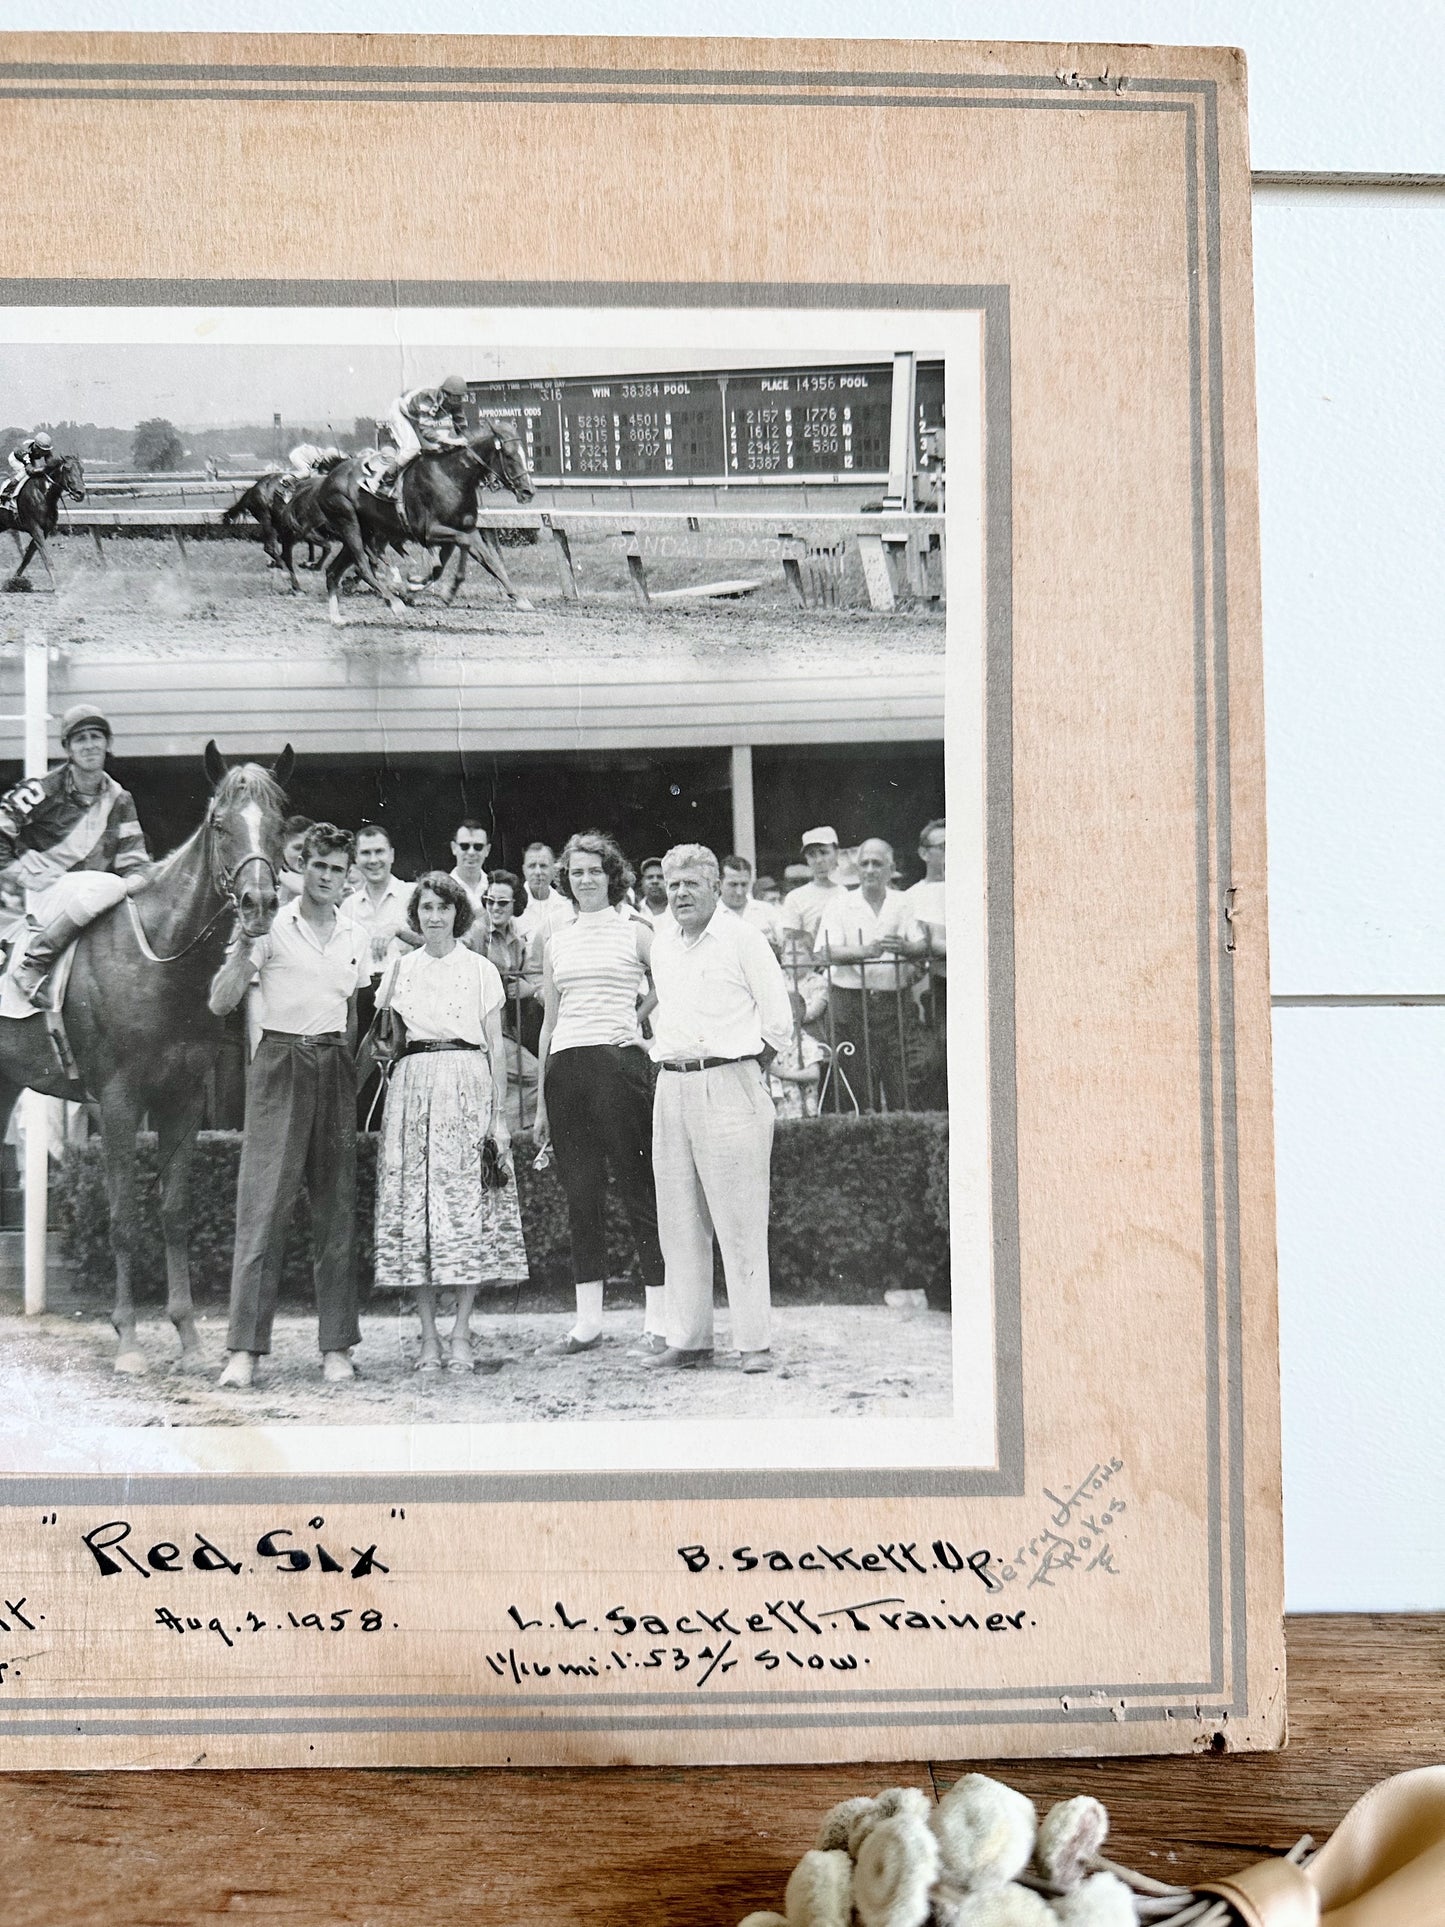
x: 860, y: 1205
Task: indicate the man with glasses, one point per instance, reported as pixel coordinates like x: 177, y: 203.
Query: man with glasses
x: 470, y: 844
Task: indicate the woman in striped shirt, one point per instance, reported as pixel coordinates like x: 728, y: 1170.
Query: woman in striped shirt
x: 595, y: 1108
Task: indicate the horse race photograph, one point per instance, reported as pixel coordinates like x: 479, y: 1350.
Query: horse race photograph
x: 474, y: 893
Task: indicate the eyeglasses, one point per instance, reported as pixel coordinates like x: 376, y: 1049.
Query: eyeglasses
x: 459, y: 845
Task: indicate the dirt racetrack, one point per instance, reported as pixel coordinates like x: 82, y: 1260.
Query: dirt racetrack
x: 855, y: 1361
x: 223, y: 598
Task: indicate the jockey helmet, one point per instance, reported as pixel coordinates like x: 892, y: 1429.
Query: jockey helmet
x: 454, y: 385
x: 41, y: 440
x: 83, y: 716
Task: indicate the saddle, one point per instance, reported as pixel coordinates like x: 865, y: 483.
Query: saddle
x: 378, y: 473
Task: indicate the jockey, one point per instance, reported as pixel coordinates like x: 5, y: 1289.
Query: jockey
x: 310, y: 458
x: 306, y: 459
x: 73, y: 840
x: 429, y: 418
x: 27, y: 458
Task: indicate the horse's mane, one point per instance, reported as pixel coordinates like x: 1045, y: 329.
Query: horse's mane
x: 251, y: 783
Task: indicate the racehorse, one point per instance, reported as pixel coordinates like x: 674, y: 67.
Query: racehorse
x: 437, y: 507
x: 286, y: 516
x: 34, y: 509
x: 138, y: 1025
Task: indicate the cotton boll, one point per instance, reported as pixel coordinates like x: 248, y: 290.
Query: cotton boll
x: 1007, y: 1906
x: 1102, y: 1901
x: 1071, y: 1834
x: 897, y: 1864
x: 946, y: 1901
x: 889, y: 1805
x: 837, y: 1821
x: 986, y: 1831
x: 820, y: 1891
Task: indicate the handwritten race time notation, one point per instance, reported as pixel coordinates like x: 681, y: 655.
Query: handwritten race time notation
x: 738, y: 425
x: 318, y: 1598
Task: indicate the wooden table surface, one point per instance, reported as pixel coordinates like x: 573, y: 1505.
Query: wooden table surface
x: 665, y: 1848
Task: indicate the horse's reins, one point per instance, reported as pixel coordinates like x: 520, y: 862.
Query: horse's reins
x: 226, y: 884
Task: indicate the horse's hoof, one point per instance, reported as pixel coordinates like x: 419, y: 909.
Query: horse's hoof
x: 397, y: 608
x: 523, y: 604
x: 134, y: 1364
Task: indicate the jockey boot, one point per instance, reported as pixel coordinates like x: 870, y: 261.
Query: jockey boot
x: 41, y: 952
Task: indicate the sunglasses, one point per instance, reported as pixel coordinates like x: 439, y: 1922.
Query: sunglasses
x: 469, y: 846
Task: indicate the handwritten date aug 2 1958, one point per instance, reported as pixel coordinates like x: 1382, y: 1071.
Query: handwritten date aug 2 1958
x: 795, y: 1633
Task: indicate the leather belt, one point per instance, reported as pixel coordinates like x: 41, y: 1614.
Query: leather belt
x: 702, y: 1063
x: 435, y: 1043
x: 320, y: 1037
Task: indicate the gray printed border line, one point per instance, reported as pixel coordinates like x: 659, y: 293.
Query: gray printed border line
x: 1211, y: 647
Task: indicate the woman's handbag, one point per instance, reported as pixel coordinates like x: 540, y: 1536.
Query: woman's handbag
x: 495, y: 1175
x: 384, y: 1042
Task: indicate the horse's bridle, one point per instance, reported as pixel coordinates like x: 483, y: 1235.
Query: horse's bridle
x: 73, y: 491
x: 224, y: 884
x: 493, y: 477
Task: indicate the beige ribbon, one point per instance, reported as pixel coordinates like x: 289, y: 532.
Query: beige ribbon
x: 1384, y: 1866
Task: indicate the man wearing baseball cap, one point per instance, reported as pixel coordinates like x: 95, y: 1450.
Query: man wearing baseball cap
x: 803, y: 908
x: 73, y: 841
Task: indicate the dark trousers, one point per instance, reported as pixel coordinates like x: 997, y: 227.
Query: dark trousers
x: 599, y: 1109
x: 300, y: 1125
x: 875, y: 1069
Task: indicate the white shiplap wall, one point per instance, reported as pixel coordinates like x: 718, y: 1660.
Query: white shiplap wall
x: 1352, y: 428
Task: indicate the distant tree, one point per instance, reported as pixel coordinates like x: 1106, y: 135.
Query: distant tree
x: 156, y: 445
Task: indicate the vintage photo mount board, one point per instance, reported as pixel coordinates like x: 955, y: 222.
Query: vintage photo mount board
x: 1112, y: 1582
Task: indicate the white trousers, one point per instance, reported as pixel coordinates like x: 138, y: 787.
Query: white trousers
x: 408, y: 442
x: 81, y: 895
x: 712, y: 1145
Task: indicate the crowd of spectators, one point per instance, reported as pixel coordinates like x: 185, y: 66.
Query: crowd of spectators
x: 644, y: 1027
x: 866, y: 960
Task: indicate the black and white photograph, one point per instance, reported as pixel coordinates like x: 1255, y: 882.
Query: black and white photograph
x: 475, y: 877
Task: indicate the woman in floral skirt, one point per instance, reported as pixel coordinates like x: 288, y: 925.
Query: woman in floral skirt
x: 441, y: 1224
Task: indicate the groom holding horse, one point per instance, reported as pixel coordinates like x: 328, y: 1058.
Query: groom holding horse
x: 72, y: 839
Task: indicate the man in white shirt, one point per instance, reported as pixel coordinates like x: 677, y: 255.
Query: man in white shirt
x: 926, y: 900
x: 379, y: 906
x: 469, y: 851
x: 300, y: 1108
x: 722, y: 1011
x: 653, y: 907
x: 546, y: 907
x: 864, y: 942
x: 803, y: 907
x: 737, y: 894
